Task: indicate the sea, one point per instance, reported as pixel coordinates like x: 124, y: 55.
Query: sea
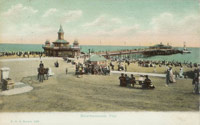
x: 193, y: 57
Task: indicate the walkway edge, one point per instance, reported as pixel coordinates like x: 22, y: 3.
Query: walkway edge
x: 139, y: 73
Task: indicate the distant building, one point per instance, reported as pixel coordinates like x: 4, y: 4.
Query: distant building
x: 61, y: 47
x: 97, y: 60
x: 161, y: 46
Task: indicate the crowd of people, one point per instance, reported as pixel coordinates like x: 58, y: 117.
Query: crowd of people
x: 144, y: 81
x: 147, y: 63
x: 22, y: 54
x: 91, y: 69
x: 123, y: 65
x: 153, y: 63
x: 171, y: 76
x: 126, y: 81
x: 120, y: 66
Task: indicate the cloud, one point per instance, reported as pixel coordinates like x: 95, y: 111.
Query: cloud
x: 103, y: 25
x: 169, y: 24
x: 50, y: 12
x: 199, y: 3
x: 191, y: 24
x: 29, y: 30
x: 122, y: 31
x: 35, y: 28
x: 72, y: 15
x: 164, y: 21
x: 103, y: 21
x: 32, y: 33
x: 110, y: 27
x: 171, y: 28
x: 127, y: 30
x: 19, y: 9
x: 166, y: 27
x: 17, y: 14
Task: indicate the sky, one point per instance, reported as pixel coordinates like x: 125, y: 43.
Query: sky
x: 101, y: 22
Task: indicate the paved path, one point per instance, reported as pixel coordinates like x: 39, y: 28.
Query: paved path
x: 139, y: 73
x: 19, y: 88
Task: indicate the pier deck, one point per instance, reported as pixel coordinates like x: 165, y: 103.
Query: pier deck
x: 148, y: 52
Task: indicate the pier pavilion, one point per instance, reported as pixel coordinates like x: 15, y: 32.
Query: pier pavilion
x: 160, y: 46
x: 61, y: 47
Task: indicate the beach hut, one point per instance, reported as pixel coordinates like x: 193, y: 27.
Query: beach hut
x: 97, y: 60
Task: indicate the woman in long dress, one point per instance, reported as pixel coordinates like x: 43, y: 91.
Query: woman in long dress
x: 172, y: 79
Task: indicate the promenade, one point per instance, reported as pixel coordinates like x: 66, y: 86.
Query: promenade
x: 140, y: 73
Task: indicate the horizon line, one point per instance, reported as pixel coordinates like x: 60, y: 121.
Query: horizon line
x: 105, y: 45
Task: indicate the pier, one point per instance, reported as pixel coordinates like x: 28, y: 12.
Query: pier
x: 145, y: 52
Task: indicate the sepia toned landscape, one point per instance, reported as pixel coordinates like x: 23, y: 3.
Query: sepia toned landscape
x: 66, y: 92
x: 97, y: 61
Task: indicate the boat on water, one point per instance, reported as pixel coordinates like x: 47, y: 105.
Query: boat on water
x: 185, y: 50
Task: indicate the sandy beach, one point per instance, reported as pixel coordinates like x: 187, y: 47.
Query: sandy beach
x: 91, y: 92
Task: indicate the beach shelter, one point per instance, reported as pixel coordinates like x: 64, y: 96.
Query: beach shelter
x: 97, y: 60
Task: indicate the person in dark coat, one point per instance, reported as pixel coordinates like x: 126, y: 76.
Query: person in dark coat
x: 132, y: 80
x: 41, y: 65
x: 127, y: 80
x: 128, y: 63
x: 148, y: 84
x: 196, y: 83
x: 112, y: 67
x: 122, y: 80
x: 167, y: 77
x: 56, y: 64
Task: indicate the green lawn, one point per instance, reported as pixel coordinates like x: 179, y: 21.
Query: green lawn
x: 100, y: 93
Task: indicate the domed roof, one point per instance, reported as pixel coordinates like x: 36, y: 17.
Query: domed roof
x: 75, y: 42
x: 61, y: 41
x: 47, y: 41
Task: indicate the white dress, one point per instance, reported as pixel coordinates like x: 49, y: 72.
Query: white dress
x: 181, y: 73
x: 50, y: 72
x: 172, y: 77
